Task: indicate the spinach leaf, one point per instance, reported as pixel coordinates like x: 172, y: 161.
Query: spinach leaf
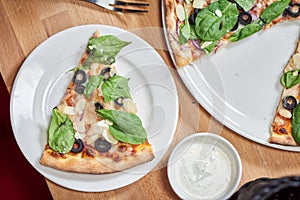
x: 127, y: 127
x: 245, y: 4
x: 103, y: 59
x: 93, y: 83
x: 290, y: 78
x: 215, y: 20
x: 247, y: 30
x: 274, y: 10
x: 296, y: 124
x: 104, y: 49
x: 193, y: 34
x: 61, y: 132
x: 115, y: 87
x: 184, y: 33
x: 184, y: 30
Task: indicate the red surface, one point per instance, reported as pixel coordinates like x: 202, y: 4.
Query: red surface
x: 18, y: 179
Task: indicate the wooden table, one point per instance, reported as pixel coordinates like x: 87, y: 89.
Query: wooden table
x: 26, y: 23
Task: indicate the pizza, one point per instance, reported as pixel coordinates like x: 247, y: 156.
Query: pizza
x: 285, y: 128
x: 199, y: 27
x: 95, y: 129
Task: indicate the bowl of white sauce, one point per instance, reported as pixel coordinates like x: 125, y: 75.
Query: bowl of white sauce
x: 204, y: 166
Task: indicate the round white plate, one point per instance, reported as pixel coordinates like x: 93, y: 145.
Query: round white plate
x: 42, y: 81
x: 212, y: 140
x: 240, y: 84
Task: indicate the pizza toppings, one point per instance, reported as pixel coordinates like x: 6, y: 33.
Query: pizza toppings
x: 245, y: 18
x: 77, y: 146
x: 79, y: 77
x: 293, y: 10
x: 218, y: 21
x: 102, y: 145
x: 289, y: 102
x: 61, y: 132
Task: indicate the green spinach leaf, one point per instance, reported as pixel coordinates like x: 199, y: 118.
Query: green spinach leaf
x: 247, y: 30
x: 184, y: 30
x: 61, y: 132
x: 93, y: 83
x: 274, y: 10
x: 215, y: 20
x: 246, y: 4
x: 127, y: 127
x: 104, y: 49
x: 115, y: 87
x: 290, y: 78
x: 296, y: 124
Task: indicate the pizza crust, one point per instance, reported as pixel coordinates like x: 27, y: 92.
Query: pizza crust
x: 97, y: 164
x: 282, y: 139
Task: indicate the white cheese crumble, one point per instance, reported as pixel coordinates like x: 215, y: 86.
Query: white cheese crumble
x: 218, y: 13
x: 180, y: 12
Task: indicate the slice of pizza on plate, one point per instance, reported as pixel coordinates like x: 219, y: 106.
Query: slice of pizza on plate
x: 285, y: 127
x: 95, y: 128
x: 198, y: 27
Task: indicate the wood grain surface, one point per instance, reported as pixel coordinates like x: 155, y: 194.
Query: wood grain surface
x: 27, y: 23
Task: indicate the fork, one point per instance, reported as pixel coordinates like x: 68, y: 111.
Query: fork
x: 122, y: 5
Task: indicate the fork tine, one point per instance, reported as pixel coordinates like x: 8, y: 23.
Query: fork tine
x: 131, y: 5
x: 134, y: 2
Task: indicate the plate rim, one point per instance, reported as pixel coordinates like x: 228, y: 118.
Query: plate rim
x: 95, y: 27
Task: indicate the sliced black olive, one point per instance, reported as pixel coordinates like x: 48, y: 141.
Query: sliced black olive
x: 98, y: 106
x: 289, y: 102
x: 79, y: 77
x: 77, y: 146
x: 105, y: 72
x: 102, y: 145
x: 192, y: 18
x: 119, y: 101
x: 245, y: 18
x: 235, y: 26
x: 291, y: 10
x: 79, y: 89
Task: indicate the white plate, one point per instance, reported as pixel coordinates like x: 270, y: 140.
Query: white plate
x: 41, y: 83
x: 239, y: 85
x: 212, y: 140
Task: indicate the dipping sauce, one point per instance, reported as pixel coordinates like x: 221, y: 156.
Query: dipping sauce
x: 203, y: 171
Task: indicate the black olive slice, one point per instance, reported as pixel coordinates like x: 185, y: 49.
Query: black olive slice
x: 119, y: 101
x: 105, y: 72
x: 192, y: 18
x: 235, y: 26
x: 98, y: 106
x: 79, y: 77
x: 245, y: 18
x: 79, y: 89
x: 291, y: 11
x: 102, y: 145
x: 289, y: 102
x: 77, y: 146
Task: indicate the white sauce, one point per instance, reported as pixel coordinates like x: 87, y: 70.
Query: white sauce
x: 203, y: 177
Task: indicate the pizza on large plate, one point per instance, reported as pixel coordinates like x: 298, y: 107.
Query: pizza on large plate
x: 285, y: 128
x: 198, y: 27
x: 95, y: 128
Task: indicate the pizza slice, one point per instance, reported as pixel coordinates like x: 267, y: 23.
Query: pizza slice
x: 285, y: 127
x: 95, y: 128
x: 198, y: 27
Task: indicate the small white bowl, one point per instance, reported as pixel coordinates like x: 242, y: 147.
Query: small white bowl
x: 204, y: 166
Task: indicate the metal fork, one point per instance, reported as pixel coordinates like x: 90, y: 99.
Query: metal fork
x: 122, y: 5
